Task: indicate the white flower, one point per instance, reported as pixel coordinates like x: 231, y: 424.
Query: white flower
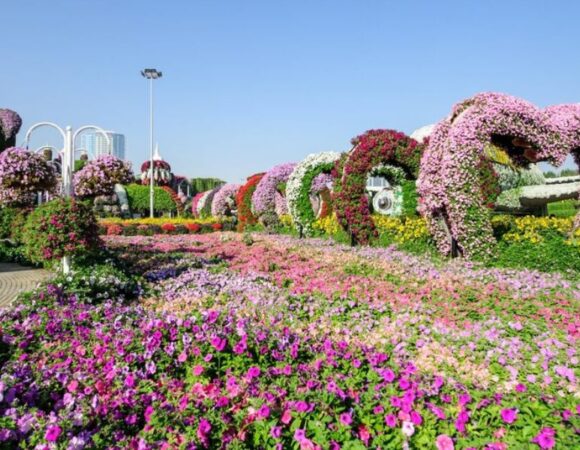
x: 408, y: 428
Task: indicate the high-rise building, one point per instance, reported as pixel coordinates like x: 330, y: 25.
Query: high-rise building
x: 95, y: 144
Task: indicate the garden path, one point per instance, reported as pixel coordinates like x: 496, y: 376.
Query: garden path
x: 15, y: 279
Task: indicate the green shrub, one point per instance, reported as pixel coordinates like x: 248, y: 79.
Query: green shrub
x: 94, y: 284
x: 138, y: 196
x: 552, y: 254
x: 59, y: 228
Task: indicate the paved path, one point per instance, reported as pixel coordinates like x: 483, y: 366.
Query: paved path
x: 15, y: 279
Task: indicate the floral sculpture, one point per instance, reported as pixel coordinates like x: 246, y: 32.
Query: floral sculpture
x: 224, y: 200
x: 204, y: 203
x: 176, y: 199
x: 457, y: 184
x: 10, y: 123
x: 195, y: 202
x: 264, y: 197
x: 304, y: 181
x: 371, y: 149
x: 244, y: 201
x: 22, y: 175
x: 99, y: 177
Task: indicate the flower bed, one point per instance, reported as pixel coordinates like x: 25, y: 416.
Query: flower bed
x: 161, y: 225
x: 295, y: 344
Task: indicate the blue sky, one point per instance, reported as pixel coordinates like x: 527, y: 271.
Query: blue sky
x: 249, y: 84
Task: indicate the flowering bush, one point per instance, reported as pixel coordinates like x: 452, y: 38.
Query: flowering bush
x: 60, y: 228
x: 224, y: 201
x: 305, y: 181
x: 372, y: 149
x: 455, y: 178
x: 163, y: 225
x: 244, y: 201
x: 267, y: 191
x: 99, y: 176
x: 22, y: 175
x: 10, y: 123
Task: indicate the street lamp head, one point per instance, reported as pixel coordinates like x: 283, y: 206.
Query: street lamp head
x: 151, y: 74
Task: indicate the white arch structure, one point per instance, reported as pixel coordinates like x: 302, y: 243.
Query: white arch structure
x: 67, y: 167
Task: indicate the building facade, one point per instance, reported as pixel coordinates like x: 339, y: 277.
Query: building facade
x: 96, y: 145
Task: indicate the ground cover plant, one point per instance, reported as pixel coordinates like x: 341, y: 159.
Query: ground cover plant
x: 273, y: 342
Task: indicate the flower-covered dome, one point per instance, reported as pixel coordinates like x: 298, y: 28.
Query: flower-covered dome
x: 161, y: 170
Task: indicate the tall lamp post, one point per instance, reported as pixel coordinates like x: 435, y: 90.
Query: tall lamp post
x: 151, y: 74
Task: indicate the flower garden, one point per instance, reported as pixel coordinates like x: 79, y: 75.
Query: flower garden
x: 306, y: 308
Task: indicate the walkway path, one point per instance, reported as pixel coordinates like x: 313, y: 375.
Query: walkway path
x: 15, y: 279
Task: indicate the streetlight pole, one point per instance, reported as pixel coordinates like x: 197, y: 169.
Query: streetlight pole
x: 151, y: 74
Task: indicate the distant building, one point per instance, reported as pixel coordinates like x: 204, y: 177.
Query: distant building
x: 95, y: 144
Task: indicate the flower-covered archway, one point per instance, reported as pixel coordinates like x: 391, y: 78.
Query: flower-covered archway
x: 372, y: 149
x: 457, y: 183
x: 269, y: 189
x: 301, y: 185
x: 244, y: 201
x: 224, y: 201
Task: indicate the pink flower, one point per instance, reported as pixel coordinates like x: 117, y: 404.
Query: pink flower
x: 408, y: 429
x: 253, y: 372
x: 52, y: 433
x: 391, y: 420
x: 545, y: 438
x: 444, y: 442
x: 509, y: 415
x: 345, y: 419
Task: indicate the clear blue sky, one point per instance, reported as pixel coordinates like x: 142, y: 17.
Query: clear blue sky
x: 249, y: 84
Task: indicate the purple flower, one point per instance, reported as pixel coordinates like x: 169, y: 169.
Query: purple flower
x: 253, y: 372
x: 391, y: 420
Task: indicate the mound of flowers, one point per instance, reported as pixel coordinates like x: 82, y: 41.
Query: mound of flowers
x: 22, y: 175
x: 99, y: 176
x: 224, y: 201
x: 457, y: 183
x: 60, y: 228
x: 10, y: 123
x: 371, y: 150
x: 264, y: 201
x: 303, y: 183
x: 244, y: 201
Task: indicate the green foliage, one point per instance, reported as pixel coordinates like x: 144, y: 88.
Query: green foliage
x: 204, y: 184
x: 410, y: 201
x: 59, y: 228
x: 138, y: 196
x: 552, y: 254
x: 97, y: 283
x: 564, y: 208
x: 80, y: 163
